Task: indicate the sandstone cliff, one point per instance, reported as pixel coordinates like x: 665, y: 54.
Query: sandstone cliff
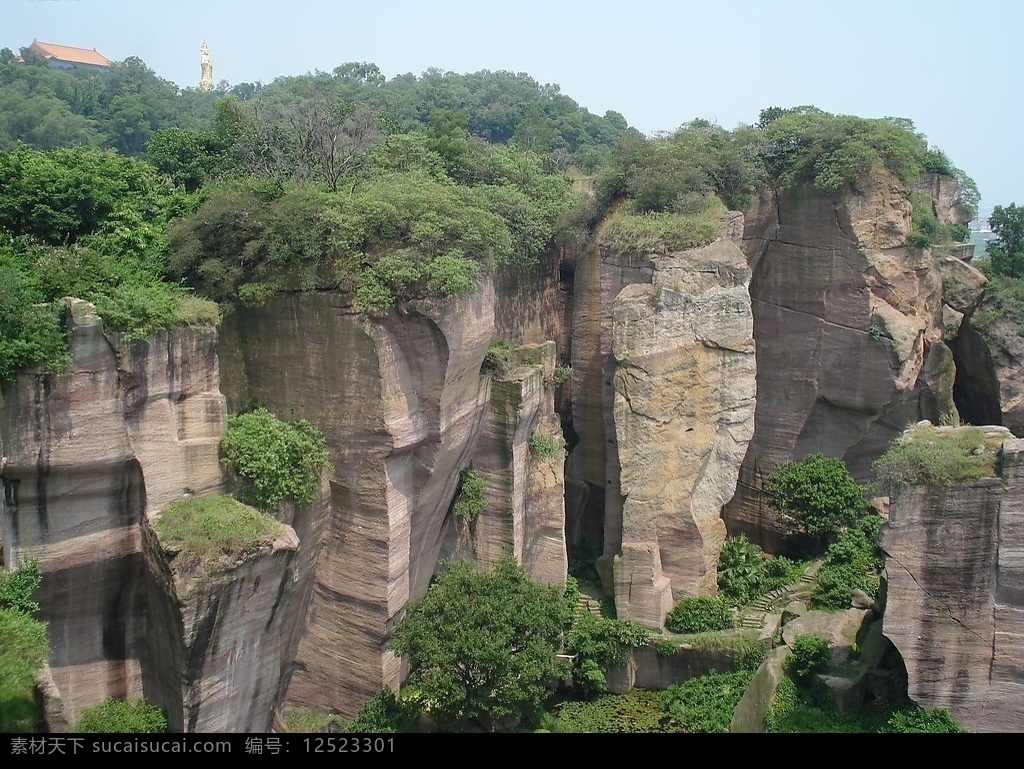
x: 88, y: 454
x: 955, y: 595
x: 850, y: 324
x: 663, y: 401
x: 402, y: 403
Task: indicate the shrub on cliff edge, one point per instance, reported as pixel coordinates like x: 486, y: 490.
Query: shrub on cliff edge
x: 274, y: 459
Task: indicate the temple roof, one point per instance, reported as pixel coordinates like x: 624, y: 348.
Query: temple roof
x: 70, y: 53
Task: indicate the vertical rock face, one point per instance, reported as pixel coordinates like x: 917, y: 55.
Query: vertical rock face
x: 86, y: 454
x: 990, y: 379
x: 524, y: 513
x: 663, y: 402
x: 225, y: 636
x: 849, y: 327
x: 403, y: 407
x: 684, y: 385
x: 955, y: 596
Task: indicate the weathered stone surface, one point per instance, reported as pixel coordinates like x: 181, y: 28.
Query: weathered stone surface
x: 225, y: 634
x: 88, y: 454
x: 849, y: 328
x: 955, y: 597
x: 946, y: 197
x: 403, y: 406
x: 684, y: 385
x: 657, y: 671
x: 962, y: 284
x: 636, y: 301
x: 748, y: 717
x: 524, y: 514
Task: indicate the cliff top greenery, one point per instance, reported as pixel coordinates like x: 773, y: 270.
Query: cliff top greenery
x: 204, y: 529
x: 154, y: 203
x: 938, y: 456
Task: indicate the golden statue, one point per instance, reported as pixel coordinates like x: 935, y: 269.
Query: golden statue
x: 206, y: 79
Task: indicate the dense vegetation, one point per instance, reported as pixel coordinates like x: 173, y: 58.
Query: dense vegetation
x: 149, y: 200
x: 23, y: 647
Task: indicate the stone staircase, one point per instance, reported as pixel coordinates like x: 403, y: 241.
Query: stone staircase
x: 753, y: 616
x: 589, y: 601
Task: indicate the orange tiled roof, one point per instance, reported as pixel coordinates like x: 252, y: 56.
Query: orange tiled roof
x: 70, y: 53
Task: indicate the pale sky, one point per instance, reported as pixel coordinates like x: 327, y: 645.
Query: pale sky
x: 953, y: 68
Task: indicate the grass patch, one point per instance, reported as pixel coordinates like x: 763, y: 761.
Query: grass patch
x: 662, y: 232
x: 310, y: 720
x: 208, y: 528
x: 738, y: 640
x: 937, y: 456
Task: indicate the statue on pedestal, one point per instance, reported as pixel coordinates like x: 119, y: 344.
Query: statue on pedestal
x: 206, y: 79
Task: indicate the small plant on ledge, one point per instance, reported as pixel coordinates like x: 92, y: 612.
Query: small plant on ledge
x: 469, y: 500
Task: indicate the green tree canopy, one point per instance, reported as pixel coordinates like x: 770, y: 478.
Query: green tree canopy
x: 23, y: 647
x: 815, y: 496
x: 1006, y: 250
x: 483, y: 645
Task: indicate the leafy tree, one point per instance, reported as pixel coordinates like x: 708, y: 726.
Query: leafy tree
x: 274, y: 459
x: 816, y: 497
x: 31, y: 332
x: 115, y: 716
x: 853, y: 561
x: 482, y: 645
x: 60, y: 196
x: 1006, y: 250
x: 382, y: 714
x: 600, y: 643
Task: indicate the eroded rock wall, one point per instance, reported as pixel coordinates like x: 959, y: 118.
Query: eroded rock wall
x: 850, y: 325
x: 87, y: 455
x: 990, y: 369
x: 403, y: 405
x: 233, y: 638
x: 684, y: 393
x: 955, y: 594
x: 524, y: 513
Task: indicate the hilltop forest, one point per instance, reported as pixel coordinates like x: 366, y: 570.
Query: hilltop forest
x: 155, y: 202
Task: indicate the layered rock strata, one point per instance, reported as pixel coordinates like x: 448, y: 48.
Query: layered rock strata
x: 684, y: 382
x: 850, y: 324
x: 224, y: 634
x: 955, y: 593
x: 404, y: 408
x: 88, y: 454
